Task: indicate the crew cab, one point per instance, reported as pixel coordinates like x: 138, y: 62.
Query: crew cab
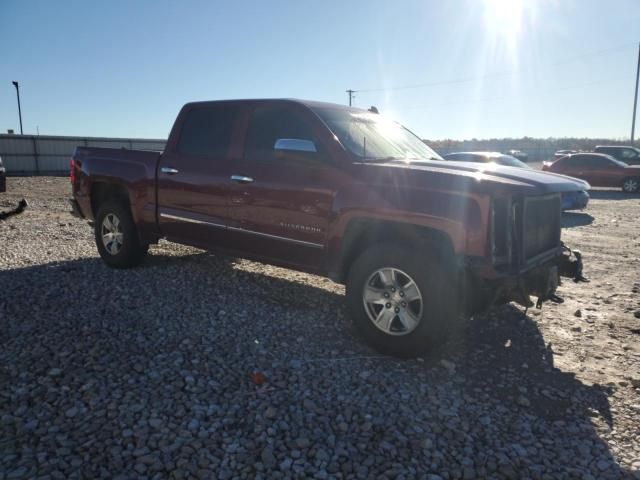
x: 625, y: 153
x: 340, y: 192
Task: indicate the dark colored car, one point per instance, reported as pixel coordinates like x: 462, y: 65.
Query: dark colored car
x: 598, y: 169
x: 627, y: 154
x: 572, y: 200
x: 340, y: 192
x: 519, y: 154
x: 3, y: 177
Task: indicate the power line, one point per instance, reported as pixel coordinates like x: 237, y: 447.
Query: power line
x: 497, y: 74
x: 503, y: 97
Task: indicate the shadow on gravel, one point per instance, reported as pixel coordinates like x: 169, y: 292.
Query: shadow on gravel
x: 505, y: 350
x: 177, y: 339
x: 576, y: 219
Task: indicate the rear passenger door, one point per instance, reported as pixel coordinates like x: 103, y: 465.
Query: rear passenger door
x: 193, y: 178
x: 281, y: 201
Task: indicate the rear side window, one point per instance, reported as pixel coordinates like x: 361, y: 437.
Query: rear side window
x: 207, y: 130
x: 575, y: 161
x: 268, y: 124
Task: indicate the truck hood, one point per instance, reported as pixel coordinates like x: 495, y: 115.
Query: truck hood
x: 477, y: 177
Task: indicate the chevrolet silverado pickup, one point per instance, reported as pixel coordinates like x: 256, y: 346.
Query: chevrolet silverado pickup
x: 346, y: 193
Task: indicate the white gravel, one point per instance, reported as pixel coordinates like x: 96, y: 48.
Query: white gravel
x: 151, y: 372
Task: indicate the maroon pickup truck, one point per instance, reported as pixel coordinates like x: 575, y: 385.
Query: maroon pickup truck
x: 340, y: 192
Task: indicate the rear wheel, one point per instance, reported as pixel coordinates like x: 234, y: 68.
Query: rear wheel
x: 630, y: 184
x: 402, y: 306
x: 116, y: 236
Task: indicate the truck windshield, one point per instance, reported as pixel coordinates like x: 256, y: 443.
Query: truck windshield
x: 371, y: 136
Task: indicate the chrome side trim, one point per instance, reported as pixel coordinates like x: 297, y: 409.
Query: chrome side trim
x: 277, y: 237
x: 191, y: 220
x: 242, y: 230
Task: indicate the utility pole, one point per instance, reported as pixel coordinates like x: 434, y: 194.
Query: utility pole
x: 15, y: 84
x: 635, y: 98
x: 351, y: 95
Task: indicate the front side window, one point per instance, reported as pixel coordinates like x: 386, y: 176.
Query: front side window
x: 270, y: 123
x: 598, y: 162
x: 207, y: 131
x: 629, y: 154
x: 371, y: 136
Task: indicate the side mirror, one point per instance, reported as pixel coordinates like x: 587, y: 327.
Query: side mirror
x: 295, y: 145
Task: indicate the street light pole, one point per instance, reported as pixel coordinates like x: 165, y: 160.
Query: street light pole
x: 635, y: 98
x: 15, y: 84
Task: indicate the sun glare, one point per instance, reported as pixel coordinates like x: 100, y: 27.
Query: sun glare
x: 505, y: 18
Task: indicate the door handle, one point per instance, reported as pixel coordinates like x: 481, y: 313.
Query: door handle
x: 241, y: 179
x: 169, y: 170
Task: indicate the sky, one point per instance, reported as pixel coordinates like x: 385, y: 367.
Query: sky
x: 456, y: 69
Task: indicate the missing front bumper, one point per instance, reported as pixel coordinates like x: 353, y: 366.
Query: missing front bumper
x: 543, y: 281
x: 539, y: 282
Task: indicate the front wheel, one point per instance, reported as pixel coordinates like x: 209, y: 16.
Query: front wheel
x: 402, y: 305
x: 116, y: 236
x: 630, y: 184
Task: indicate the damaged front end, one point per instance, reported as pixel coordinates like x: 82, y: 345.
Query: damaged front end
x: 528, y: 257
x: 543, y: 281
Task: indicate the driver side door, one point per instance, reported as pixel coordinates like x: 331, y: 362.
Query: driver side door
x: 281, y: 201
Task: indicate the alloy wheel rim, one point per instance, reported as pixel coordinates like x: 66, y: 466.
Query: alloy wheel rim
x: 111, y: 234
x: 631, y: 185
x: 393, y: 301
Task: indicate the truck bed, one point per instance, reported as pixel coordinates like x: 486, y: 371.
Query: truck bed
x: 133, y: 172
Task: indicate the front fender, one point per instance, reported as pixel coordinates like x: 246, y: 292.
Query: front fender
x: 461, y: 217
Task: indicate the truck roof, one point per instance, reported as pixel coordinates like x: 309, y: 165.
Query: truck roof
x: 307, y: 103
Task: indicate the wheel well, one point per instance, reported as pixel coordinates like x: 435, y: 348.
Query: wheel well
x: 362, y: 234
x: 102, y: 191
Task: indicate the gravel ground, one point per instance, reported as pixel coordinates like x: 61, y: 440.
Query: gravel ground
x: 198, y: 366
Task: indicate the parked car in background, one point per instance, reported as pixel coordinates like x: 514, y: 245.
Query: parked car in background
x: 573, y: 200
x: 340, y: 192
x: 598, y: 169
x: 562, y: 153
x: 3, y: 177
x: 519, y: 154
x: 624, y: 153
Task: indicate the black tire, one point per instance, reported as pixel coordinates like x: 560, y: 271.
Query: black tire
x: 436, y: 283
x: 131, y: 251
x: 631, y: 184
